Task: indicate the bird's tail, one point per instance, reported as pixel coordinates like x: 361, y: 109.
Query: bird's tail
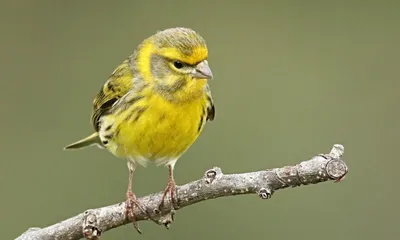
x: 86, y: 142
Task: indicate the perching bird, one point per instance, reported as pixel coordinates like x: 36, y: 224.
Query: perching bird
x: 154, y: 105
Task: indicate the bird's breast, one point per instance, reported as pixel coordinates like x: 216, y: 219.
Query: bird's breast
x: 158, y: 130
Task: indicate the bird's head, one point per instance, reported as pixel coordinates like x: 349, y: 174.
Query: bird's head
x: 175, y: 60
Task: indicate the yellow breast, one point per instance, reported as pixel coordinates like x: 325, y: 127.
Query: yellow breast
x: 156, y: 129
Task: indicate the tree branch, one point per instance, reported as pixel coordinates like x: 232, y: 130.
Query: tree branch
x: 214, y: 184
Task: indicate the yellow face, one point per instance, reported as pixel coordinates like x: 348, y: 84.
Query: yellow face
x: 175, y: 60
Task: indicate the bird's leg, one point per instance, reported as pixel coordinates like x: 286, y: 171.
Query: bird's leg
x: 171, y: 189
x: 131, y: 200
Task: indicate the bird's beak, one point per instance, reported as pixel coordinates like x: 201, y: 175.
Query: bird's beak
x: 202, y: 71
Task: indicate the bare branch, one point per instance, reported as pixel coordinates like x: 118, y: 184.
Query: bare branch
x: 214, y: 184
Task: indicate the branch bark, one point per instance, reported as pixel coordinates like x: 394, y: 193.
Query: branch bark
x: 92, y: 223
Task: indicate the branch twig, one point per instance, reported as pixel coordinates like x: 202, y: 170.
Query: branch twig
x: 214, y: 184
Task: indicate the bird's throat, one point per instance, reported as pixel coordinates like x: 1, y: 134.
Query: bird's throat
x: 184, y: 90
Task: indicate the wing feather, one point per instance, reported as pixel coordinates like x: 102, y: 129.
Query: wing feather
x: 117, y: 85
x: 210, y: 105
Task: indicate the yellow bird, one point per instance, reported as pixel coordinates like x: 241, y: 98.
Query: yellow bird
x: 154, y: 105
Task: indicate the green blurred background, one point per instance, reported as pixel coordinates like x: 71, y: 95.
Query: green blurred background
x: 291, y: 79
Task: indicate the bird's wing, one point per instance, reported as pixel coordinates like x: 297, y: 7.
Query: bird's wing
x: 118, y: 84
x: 210, y: 105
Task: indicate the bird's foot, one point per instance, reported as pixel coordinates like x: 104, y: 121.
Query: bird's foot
x: 173, y: 201
x: 131, y: 200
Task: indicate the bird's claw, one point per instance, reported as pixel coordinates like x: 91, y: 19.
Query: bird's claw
x: 173, y: 204
x: 131, y: 200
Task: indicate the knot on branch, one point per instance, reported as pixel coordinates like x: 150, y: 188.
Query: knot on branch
x: 265, y: 193
x: 320, y: 168
x: 337, y: 151
x: 90, y: 226
x: 336, y: 169
x: 167, y: 219
x: 212, y: 174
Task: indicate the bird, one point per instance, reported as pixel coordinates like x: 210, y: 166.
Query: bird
x: 154, y: 106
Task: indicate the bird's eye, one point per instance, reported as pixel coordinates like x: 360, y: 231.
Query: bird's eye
x: 178, y: 64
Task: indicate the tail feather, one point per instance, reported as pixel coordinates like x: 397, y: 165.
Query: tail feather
x: 86, y: 142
